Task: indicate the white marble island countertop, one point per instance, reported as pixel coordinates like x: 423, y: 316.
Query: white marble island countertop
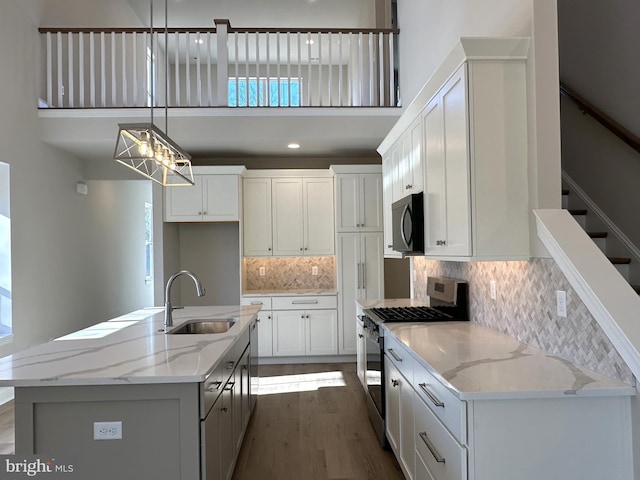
x: 478, y: 363
x: 132, y: 349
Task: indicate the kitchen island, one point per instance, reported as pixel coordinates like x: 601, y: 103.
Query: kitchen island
x: 165, y: 395
x: 466, y: 402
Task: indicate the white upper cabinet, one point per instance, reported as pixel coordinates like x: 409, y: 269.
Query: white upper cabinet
x: 257, y: 235
x: 358, y: 202
x: 467, y: 131
x: 213, y: 198
x: 288, y: 216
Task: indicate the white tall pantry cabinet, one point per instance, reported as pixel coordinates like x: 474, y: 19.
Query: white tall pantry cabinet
x: 360, y: 267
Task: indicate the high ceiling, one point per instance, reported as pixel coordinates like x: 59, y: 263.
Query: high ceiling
x: 321, y: 132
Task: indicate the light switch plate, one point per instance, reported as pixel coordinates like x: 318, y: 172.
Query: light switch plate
x: 314, y: 270
x: 492, y: 288
x: 262, y: 271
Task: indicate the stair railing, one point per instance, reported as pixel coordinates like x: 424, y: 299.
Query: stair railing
x: 587, y: 107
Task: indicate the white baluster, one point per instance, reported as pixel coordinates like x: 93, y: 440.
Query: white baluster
x: 70, y: 85
x: 320, y: 86
x: 177, y: 68
x: 198, y: 76
x: 209, y: 97
x: 309, y: 69
x: 289, y: 103
x: 340, y: 68
x: 81, y: 72
x: 103, y: 70
x: 134, y: 67
x: 258, y: 69
x: 125, y: 90
x: 361, y: 70
x: 187, y: 67
x: 246, y: 71
x: 113, y: 69
x: 372, y: 69
x: 222, y: 29
x: 59, y: 70
x: 299, y: 52
x: 237, y: 60
x: 392, y: 93
x: 381, y: 64
x: 92, y: 72
x: 330, y: 73
x: 49, y: 72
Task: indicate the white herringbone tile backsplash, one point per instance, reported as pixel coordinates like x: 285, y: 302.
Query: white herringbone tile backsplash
x: 525, y: 308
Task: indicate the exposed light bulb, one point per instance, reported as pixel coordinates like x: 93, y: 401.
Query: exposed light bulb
x: 144, y: 144
x: 158, y: 152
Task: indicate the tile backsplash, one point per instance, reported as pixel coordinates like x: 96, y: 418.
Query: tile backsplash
x: 289, y: 273
x: 525, y: 308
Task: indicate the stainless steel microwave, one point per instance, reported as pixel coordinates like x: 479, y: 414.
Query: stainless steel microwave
x: 407, y: 219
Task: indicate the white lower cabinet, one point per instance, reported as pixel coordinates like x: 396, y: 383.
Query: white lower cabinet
x: 294, y: 326
x: 360, y: 353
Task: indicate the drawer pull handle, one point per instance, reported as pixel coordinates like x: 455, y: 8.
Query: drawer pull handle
x: 439, y: 458
x: 256, y: 303
x: 395, y: 355
x: 304, y: 302
x: 214, y: 386
x: 431, y: 395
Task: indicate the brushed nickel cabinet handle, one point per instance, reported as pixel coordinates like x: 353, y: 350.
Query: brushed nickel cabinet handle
x: 304, y: 302
x: 395, y: 355
x: 436, y: 401
x: 439, y: 458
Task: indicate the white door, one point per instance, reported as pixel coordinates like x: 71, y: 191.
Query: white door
x: 256, y: 205
x: 322, y: 332
x: 287, y: 216
x: 318, y: 216
x: 370, y: 202
x: 349, y: 280
x: 289, y: 336
x: 220, y: 198
x: 184, y: 204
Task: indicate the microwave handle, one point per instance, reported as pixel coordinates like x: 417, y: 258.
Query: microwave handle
x: 402, y: 219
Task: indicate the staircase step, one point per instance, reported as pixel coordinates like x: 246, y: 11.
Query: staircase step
x: 577, y: 211
x: 597, y: 234
x: 619, y: 260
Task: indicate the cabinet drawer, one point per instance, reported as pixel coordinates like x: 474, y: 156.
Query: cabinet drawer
x: 397, y: 353
x: 444, y: 457
x: 304, y: 302
x: 451, y: 411
x: 265, y: 302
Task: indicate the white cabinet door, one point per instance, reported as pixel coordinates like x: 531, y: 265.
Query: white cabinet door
x: 448, y: 209
x: 220, y: 198
x: 265, y: 334
x: 287, y: 216
x: 370, y: 202
x: 415, y: 158
x: 347, y: 202
x: 184, y: 204
x: 397, y: 178
x: 387, y: 200
x: 360, y: 275
x: 361, y: 364
x: 289, y: 333
x: 322, y: 332
x: 359, y: 202
x: 392, y: 402
x: 349, y: 278
x: 318, y: 216
x: 371, y: 258
x: 407, y: 441
x: 257, y: 234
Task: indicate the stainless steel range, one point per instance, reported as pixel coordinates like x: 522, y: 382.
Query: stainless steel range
x: 448, y: 300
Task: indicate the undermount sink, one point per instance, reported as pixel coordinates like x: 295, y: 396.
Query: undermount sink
x: 205, y: 326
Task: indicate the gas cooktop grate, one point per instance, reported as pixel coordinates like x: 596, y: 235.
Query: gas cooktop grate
x: 411, y: 314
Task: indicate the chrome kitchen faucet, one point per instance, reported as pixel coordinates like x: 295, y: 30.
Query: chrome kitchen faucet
x: 168, y: 308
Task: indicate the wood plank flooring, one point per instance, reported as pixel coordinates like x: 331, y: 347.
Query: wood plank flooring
x: 313, y: 435
x: 319, y: 434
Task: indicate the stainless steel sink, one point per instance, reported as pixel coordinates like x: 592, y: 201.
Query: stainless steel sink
x: 205, y: 326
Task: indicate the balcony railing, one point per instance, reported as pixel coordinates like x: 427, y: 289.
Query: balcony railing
x: 219, y: 67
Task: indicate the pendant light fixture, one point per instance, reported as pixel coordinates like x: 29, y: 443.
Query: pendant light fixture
x: 145, y: 148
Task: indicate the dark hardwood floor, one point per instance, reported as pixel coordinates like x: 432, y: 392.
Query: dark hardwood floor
x: 317, y: 434
x: 315, y: 428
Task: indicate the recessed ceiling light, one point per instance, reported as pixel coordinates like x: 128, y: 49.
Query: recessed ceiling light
x: 293, y: 146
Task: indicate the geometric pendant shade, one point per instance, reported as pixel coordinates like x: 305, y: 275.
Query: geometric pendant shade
x: 144, y: 148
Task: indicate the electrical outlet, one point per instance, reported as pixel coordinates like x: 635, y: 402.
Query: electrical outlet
x: 561, y: 303
x: 107, y: 430
x: 263, y: 271
x: 492, y: 288
x: 314, y: 270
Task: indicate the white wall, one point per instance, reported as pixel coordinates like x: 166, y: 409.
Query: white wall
x: 57, y: 286
x: 117, y: 243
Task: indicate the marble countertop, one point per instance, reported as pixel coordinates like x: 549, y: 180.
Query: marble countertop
x: 131, y: 349
x: 478, y: 363
x: 284, y: 293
